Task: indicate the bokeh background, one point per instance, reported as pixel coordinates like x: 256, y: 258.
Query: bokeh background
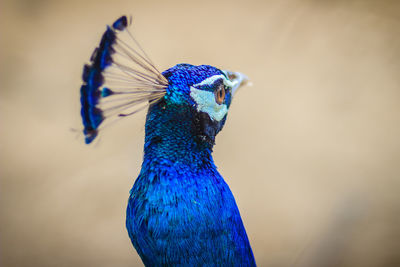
x: 311, y: 151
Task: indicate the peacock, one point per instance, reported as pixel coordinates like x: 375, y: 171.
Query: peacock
x: 180, y: 210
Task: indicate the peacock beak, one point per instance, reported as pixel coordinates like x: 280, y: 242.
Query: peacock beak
x: 238, y: 80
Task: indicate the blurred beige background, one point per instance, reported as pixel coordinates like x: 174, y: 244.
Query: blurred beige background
x: 311, y: 151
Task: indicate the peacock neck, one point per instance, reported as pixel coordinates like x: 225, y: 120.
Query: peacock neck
x: 172, y: 139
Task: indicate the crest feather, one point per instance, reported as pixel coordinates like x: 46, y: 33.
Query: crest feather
x: 119, y: 81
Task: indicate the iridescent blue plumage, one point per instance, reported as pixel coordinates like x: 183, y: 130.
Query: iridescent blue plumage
x: 180, y: 210
x: 93, y: 78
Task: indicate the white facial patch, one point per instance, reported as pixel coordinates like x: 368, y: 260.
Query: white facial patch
x: 212, y: 79
x: 205, y: 101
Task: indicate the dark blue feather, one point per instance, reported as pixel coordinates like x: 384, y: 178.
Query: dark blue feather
x: 103, y: 58
x: 93, y: 78
x: 121, y: 23
x: 106, y: 92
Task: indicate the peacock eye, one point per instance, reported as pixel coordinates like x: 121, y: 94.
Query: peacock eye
x: 219, y: 94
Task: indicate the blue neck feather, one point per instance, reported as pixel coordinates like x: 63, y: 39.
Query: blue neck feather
x: 173, y: 138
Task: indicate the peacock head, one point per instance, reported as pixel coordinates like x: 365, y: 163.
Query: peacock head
x: 207, y: 89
